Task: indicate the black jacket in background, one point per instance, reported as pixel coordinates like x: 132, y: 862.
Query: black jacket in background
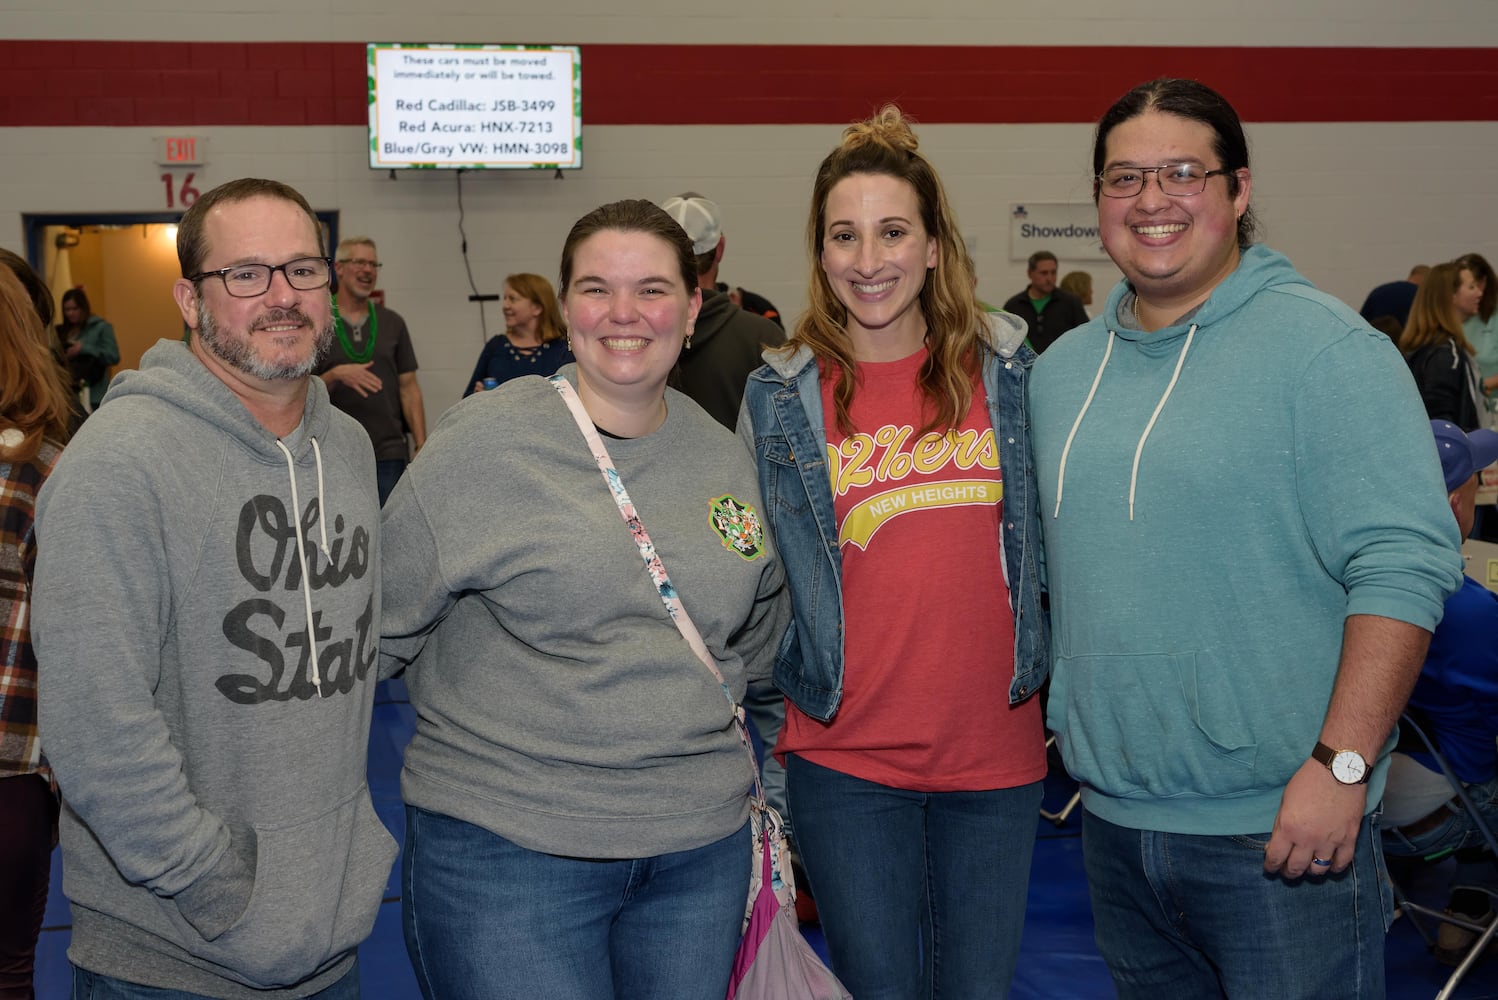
x: 1445, y: 377
x: 726, y: 344
x: 1064, y: 312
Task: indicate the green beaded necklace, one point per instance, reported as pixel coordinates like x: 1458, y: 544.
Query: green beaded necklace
x: 357, y: 357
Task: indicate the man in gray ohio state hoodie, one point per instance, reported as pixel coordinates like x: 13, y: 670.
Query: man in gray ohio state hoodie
x: 206, y: 621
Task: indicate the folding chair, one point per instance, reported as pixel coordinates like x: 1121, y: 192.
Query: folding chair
x: 1059, y: 817
x: 1485, y: 933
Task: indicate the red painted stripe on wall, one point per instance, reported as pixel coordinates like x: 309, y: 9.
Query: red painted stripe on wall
x: 173, y: 84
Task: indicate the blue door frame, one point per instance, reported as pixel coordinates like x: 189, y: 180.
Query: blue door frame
x: 35, y: 226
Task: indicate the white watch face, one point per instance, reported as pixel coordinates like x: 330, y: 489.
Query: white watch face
x: 1348, y: 767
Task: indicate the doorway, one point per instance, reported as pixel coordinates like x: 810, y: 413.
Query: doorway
x: 126, y: 263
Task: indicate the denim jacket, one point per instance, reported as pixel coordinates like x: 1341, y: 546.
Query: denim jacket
x: 781, y: 421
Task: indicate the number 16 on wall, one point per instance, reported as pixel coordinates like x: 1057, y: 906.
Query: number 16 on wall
x: 180, y: 195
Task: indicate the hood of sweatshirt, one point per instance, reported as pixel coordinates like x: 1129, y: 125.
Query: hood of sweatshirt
x: 717, y: 310
x: 1258, y: 268
x: 171, y: 373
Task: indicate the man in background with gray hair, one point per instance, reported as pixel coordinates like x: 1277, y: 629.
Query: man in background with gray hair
x: 370, y: 367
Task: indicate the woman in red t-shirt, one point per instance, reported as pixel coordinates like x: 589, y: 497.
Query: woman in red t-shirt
x: 915, y: 782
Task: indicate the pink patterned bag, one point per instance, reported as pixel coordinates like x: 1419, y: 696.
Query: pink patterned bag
x: 774, y: 962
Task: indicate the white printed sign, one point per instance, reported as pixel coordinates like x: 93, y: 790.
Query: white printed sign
x: 474, y: 106
x: 1067, y: 229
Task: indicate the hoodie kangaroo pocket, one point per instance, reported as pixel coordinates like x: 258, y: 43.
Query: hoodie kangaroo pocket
x: 292, y: 925
x: 366, y: 874
x: 1151, y: 725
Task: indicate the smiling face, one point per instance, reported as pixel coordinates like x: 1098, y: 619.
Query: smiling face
x: 1468, y: 296
x: 875, y: 255
x: 277, y: 335
x: 627, y: 313
x: 357, y: 273
x: 521, y: 314
x: 1173, y: 250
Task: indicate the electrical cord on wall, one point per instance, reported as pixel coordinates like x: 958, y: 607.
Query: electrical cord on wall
x: 467, y: 266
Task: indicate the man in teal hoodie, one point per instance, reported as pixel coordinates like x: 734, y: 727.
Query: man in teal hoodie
x: 1247, y: 547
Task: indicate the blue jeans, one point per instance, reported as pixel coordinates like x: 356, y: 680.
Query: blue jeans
x: 387, y: 473
x: 489, y: 920
x: 921, y: 894
x: 93, y: 986
x: 1456, y: 832
x: 1178, y: 915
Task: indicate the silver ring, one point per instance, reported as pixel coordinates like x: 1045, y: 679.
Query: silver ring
x: 1320, y: 863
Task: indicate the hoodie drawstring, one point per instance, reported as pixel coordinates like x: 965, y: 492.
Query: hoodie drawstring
x: 322, y: 507
x: 1138, y: 449
x: 1071, y: 435
x: 301, y: 552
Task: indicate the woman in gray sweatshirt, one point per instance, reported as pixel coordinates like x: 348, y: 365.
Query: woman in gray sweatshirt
x: 576, y: 793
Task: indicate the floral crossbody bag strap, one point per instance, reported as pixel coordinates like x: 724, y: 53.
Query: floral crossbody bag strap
x: 653, y: 564
x: 769, y: 850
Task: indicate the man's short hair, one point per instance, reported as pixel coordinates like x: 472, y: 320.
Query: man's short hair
x: 349, y: 242
x: 192, y: 241
x: 1037, y: 257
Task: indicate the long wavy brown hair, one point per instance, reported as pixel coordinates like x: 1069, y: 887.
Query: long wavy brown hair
x: 885, y: 144
x: 1433, y: 316
x: 34, y: 396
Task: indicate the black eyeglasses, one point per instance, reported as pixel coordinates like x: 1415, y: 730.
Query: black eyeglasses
x: 1179, y: 180
x: 245, y: 281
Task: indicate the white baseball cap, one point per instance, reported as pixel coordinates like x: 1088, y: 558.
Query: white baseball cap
x: 699, y: 217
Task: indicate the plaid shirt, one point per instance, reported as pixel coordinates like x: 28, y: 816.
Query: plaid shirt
x: 20, y: 750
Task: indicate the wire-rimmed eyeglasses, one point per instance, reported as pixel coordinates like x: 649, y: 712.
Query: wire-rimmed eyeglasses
x: 245, y: 281
x: 1179, y: 180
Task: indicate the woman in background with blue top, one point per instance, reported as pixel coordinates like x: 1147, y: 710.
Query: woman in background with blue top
x: 535, y: 338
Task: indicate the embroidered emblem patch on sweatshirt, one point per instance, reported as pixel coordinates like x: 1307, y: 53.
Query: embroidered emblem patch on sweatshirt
x: 737, y: 524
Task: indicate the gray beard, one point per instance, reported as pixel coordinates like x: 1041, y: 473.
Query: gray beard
x: 239, y: 354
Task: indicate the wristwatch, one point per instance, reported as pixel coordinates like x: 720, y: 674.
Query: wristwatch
x: 1347, y: 766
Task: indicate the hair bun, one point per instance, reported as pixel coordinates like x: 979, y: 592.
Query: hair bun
x: 889, y: 128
